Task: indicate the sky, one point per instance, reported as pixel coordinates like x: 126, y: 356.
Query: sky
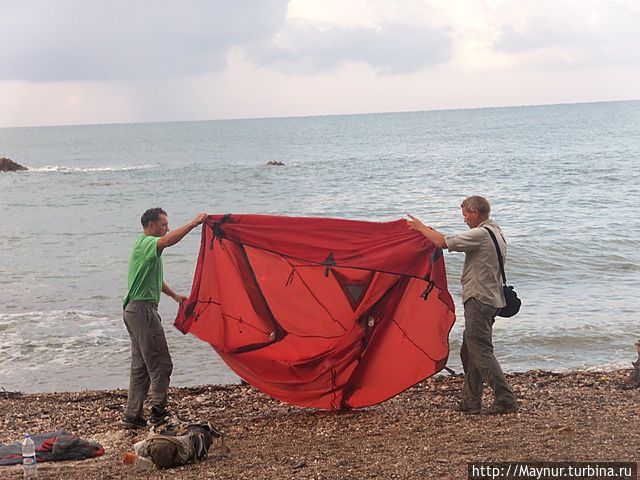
x: 90, y: 61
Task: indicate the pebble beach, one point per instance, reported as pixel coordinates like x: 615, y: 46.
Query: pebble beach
x: 576, y: 416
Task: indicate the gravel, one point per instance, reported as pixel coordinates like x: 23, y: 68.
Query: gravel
x: 575, y: 416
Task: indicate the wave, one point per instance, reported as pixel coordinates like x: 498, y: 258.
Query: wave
x: 52, y: 313
x: 57, y: 334
x: 65, y: 169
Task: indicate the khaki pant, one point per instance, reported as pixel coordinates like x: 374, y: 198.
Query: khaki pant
x: 151, y: 364
x: 478, y: 361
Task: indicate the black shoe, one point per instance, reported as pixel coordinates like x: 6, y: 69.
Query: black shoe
x: 467, y: 410
x: 158, y: 416
x: 133, y: 423
x: 497, y: 409
x: 633, y: 380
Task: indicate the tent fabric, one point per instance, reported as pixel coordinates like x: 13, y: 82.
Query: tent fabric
x: 320, y: 312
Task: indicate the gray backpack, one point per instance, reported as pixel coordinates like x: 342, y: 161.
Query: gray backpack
x: 178, y: 443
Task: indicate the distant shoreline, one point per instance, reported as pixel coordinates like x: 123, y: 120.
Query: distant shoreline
x: 321, y: 115
x: 575, y: 416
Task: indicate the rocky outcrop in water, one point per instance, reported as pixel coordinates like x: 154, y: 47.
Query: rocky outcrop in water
x: 275, y: 163
x: 8, y: 165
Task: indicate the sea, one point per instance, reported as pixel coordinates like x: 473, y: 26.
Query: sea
x: 563, y: 181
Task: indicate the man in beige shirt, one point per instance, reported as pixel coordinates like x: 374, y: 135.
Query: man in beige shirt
x: 482, y: 298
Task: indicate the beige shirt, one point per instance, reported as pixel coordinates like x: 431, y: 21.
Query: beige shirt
x: 481, y: 277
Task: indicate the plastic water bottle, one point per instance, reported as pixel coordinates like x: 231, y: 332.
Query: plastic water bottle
x: 29, y: 458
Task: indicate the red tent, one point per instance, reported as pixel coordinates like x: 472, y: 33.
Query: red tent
x: 321, y: 312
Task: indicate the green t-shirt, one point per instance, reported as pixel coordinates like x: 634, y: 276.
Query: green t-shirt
x: 145, y: 271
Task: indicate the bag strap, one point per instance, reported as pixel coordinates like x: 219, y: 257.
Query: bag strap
x: 495, y: 242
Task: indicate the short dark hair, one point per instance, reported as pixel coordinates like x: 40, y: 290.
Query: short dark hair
x: 151, y: 215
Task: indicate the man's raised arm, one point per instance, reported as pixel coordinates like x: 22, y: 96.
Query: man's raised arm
x: 432, y: 235
x: 174, y: 236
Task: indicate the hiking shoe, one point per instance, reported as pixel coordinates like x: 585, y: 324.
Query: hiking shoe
x: 632, y: 381
x: 133, y: 423
x: 464, y: 408
x: 158, y: 416
x: 497, y: 409
x: 629, y: 384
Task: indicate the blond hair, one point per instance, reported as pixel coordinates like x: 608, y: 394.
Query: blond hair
x: 478, y: 203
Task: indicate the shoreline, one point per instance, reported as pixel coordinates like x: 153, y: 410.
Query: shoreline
x: 572, y: 416
x: 613, y: 367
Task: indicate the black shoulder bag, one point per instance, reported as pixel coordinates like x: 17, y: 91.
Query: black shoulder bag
x: 513, y: 302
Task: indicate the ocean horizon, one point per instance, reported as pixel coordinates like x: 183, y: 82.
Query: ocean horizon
x: 320, y: 115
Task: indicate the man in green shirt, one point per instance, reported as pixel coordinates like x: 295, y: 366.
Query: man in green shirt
x: 151, y: 364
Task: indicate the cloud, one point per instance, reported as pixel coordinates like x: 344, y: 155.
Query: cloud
x: 72, y: 61
x: 599, y: 34
x: 78, y: 40
x: 543, y: 33
x: 308, y: 47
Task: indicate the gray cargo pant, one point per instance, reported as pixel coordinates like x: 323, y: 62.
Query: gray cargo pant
x: 151, y: 364
x: 478, y: 360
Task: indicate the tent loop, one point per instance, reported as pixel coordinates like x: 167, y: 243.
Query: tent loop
x: 290, y: 278
x: 217, y: 231
x: 329, y: 262
x: 427, y: 291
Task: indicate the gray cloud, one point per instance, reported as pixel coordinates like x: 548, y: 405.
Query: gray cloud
x: 540, y: 34
x: 613, y: 38
x: 82, y: 40
x: 306, y: 47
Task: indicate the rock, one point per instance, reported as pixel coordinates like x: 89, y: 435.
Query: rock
x: 300, y: 465
x: 7, y: 165
x: 276, y: 163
